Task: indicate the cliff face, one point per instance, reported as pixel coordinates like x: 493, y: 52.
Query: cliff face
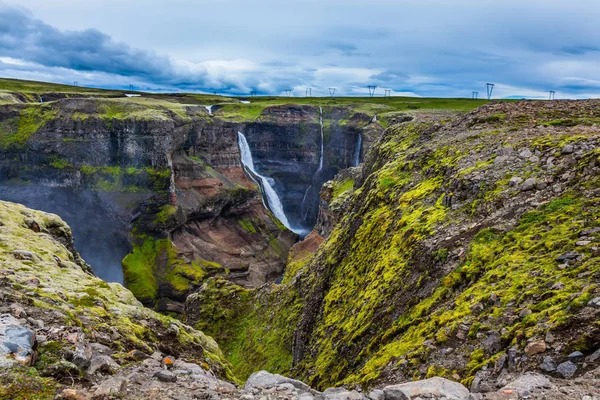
x: 63, y: 328
x: 160, y: 185
x: 466, y: 248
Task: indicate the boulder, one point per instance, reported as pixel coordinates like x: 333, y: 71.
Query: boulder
x: 16, y: 342
x: 433, y: 386
x: 548, y: 364
x: 102, y: 363
x: 165, y: 376
x: 534, y: 348
x: 342, y: 394
x: 110, y: 388
x: 528, y: 185
x: 527, y: 384
x: 566, y: 369
x: 264, y: 379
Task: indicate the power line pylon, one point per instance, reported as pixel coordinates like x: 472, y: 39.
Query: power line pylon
x: 490, y: 89
x: 331, y: 91
x: 372, y: 90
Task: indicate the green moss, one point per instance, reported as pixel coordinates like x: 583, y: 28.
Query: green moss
x: 165, y: 214
x: 25, y: 384
x: 340, y: 187
x: 30, y: 120
x: 247, y: 225
x: 251, y: 337
x: 138, y: 269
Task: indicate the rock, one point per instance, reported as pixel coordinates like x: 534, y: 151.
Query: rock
x: 566, y: 369
x: 549, y: 337
x: 264, y: 379
x: 491, y: 344
x: 583, y: 242
x: 71, y: 394
x: 525, y: 153
x: 432, y: 386
x: 61, y: 370
x: 165, y: 376
x: 548, y: 364
x: 306, y: 396
x: 26, y: 255
x: 558, y: 286
x: 16, y: 342
x: 526, y: 384
x: 101, y: 349
x: 515, y: 181
x: 102, y: 363
x: 541, y: 185
x: 525, y: 312
x: 567, y: 149
x: 342, y: 394
x: 513, y: 358
x: 376, y: 394
x: 82, y: 356
x: 567, y: 256
x: 576, y: 356
x: 534, y: 348
x: 17, y: 310
x: 595, y: 302
x: 137, y: 355
x: 528, y: 185
x: 110, y: 388
x: 593, y: 357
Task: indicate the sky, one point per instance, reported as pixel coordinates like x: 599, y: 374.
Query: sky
x: 433, y: 48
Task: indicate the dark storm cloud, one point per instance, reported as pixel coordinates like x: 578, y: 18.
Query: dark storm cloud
x: 26, y: 38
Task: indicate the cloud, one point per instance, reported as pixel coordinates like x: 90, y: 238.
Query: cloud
x: 425, y: 48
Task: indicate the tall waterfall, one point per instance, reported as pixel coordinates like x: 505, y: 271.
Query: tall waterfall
x: 357, y: 150
x: 317, y: 175
x: 209, y: 109
x: 322, y: 142
x: 273, y: 202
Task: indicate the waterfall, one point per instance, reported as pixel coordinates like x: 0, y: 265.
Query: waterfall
x: 357, y: 150
x: 209, y: 108
x: 322, y: 140
x: 172, y: 193
x: 273, y: 202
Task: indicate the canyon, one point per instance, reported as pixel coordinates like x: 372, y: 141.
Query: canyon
x: 366, y: 250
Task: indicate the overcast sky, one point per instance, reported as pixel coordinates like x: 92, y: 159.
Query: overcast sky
x: 412, y: 47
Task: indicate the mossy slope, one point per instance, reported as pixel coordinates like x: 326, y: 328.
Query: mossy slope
x: 62, y: 289
x: 439, y: 248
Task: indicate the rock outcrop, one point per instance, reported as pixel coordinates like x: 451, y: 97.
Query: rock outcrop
x: 441, y: 263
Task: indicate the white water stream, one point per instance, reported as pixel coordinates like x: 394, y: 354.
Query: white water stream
x: 273, y: 201
x: 357, y: 150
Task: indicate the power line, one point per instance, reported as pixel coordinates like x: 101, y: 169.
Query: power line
x: 75, y: 83
x: 288, y: 92
x: 552, y: 95
x: 331, y: 91
x: 388, y: 93
x: 372, y: 90
x: 308, y: 92
x: 490, y: 89
x: 475, y: 95
x: 253, y: 93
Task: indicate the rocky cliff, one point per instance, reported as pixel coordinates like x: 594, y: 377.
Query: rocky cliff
x: 467, y: 248
x: 160, y: 185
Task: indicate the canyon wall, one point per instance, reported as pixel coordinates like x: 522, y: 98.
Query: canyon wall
x: 161, y: 186
x: 464, y: 247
